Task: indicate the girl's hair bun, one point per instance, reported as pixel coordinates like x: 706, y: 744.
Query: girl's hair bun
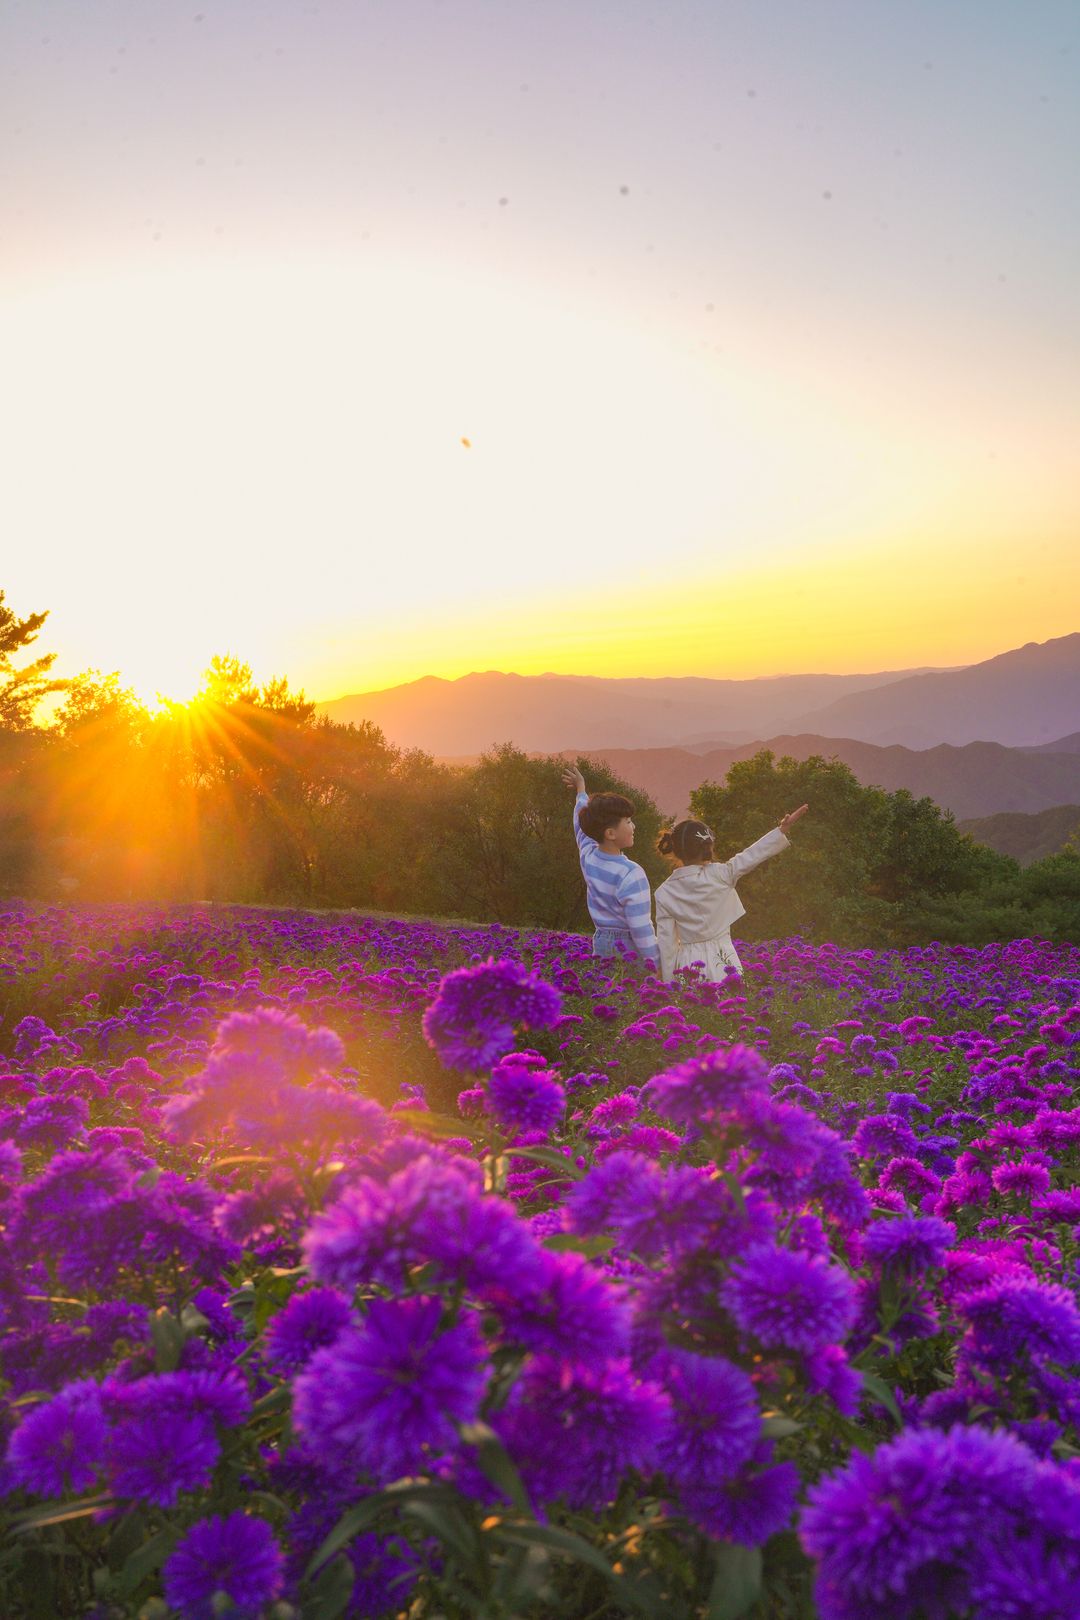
x: 690, y: 841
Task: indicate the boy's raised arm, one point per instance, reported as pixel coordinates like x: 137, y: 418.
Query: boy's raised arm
x: 573, y: 778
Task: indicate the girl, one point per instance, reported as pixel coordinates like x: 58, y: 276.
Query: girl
x: 698, y: 903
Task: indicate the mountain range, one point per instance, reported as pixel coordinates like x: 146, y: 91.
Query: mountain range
x: 1027, y: 838
x: 1027, y: 698
x: 976, y: 779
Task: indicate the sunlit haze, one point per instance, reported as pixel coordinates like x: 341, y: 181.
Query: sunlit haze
x: 370, y: 342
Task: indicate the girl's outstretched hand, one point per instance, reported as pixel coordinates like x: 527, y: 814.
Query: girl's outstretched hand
x: 573, y: 778
x: 790, y: 820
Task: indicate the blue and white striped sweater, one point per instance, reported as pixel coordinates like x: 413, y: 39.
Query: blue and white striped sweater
x: 617, y: 890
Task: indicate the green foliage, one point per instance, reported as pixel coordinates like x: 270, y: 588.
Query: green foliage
x: 246, y: 796
x: 822, y: 888
x: 510, y: 854
x: 876, y: 868
x: 21, y: 690
x: 1027, y: 835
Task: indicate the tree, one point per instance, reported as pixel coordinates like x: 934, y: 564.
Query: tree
x: 22, y: 690
x: 926, y: 854
x: 511, y: 854
x: 822, y: 886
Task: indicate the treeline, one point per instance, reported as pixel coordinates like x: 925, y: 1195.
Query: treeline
x: 246, y: 795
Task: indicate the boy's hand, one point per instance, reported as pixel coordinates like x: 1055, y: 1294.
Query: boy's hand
x: 793, y: 817
x: 573, y: 778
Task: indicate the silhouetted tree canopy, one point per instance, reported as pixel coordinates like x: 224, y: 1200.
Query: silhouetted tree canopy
x: 247, y: 795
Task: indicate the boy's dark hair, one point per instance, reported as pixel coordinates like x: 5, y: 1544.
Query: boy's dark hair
x: 689, y: 841
x: 603, y: 811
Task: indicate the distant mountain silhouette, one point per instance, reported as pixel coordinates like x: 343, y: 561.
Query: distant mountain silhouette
x: 1029, y: 696
x: 544, y: 713
x: 977, y: 779
x: 1063, y: 745
x: 1027, y: 838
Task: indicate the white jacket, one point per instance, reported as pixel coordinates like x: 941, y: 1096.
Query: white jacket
x: 698, y: 903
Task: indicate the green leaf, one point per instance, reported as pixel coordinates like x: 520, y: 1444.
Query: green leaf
x: 144, y: 1561
x: 429, y: 1124
x: 168, y: 1340
x: 496, y: 1465
x: 855, y: 1436
x: 879, y: 1391
x: 446, y: 1520
x: 736, y: 1584
x: 352, y: 1522
x: 37, y: 1518
x: 576, y: 1548
x: 363, y: 1514
x: 735, y: 1188
x: 553, y: 1159
x: 331, y: 1591
x: 778, y: 1428
x: 569, y: 1242
x: 240, y: 1158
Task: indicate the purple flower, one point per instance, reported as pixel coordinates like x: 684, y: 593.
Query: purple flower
x: 910, y: 1244
x: 427, y: 1213
x: 309, y: 1322
x: 748, y: 1509
x: 574, y: 1432
x: 652, y: 1140
x: 1058, y: 1205
x: 788, y: 1299
x: 60, y: 1445
x: 155, y: 1454
x: 471, y: 1022
x: 384, y: 1574
x: 622, y: 1190
x: 524, y: 1098
x: 704, y: 1090
x: 237, y: 1556
x: 715, y: 1419
x: 898, y: 1533
x: 221, y: 1396
x: 828, y: 1372
x: 388, y: 1395
x: 910, y: 1176
x: 883, y: 1135
x: 570, y: 1310
x: 1016, y: 1317
x: 278, y: 1040
x: 617, y: 1110
x: 1024, y: 1178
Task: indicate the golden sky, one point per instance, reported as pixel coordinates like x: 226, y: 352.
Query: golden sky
x: 763, y: 342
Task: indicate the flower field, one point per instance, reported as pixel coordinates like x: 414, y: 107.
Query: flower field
x: 373, y: 1268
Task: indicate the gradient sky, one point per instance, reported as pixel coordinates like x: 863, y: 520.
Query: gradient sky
x: 760, y: 320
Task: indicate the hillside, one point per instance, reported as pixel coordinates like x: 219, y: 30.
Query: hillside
x: 1061, y: 745
x: 1029, y: 696
x: 543, y: 713
x: 978, y: 779
x: 1027, y: 838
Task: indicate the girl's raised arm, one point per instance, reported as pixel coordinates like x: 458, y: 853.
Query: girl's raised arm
x: 792, y: 817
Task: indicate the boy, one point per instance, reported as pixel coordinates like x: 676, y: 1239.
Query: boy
x: 617, y: 889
